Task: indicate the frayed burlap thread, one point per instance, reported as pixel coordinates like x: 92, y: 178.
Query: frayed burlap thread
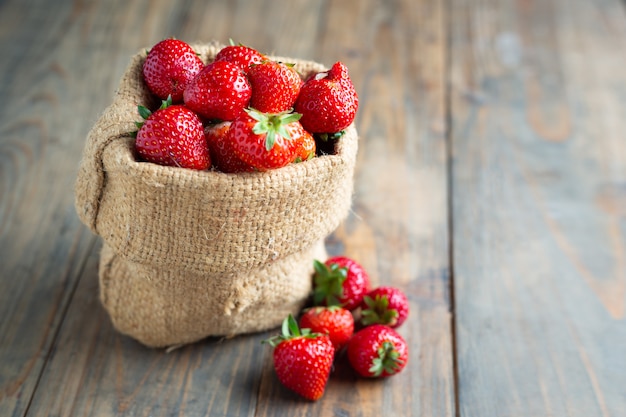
x: 189, y: 254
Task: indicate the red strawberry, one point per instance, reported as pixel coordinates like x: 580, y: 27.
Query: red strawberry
x: 306, y: 147
x: 340, y: 281
x: 275, y: 86
x: 384, y: 305
x: 377, y: 351
x: 302, y: 360
x: 169, y: 67
x: 240, y: 55
x: 220, y: 91
x: 334, y: 321
x: 223, y: 156
x: 265, y: 141
x: 172, y: 136
x: 328, y: 101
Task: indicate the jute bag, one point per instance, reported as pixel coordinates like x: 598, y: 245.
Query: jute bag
x: 189, y: 254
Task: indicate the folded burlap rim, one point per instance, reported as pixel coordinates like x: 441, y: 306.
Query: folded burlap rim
x: 205, y: 221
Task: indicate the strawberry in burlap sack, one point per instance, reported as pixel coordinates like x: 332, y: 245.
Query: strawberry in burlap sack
x: 189, y: 254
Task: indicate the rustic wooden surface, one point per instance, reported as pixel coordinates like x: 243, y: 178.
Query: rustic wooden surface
x: 491, y: 186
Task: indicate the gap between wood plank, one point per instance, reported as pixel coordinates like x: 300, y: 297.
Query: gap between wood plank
x: 450, y: 201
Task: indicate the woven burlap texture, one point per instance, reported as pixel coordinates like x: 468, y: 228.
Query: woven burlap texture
x: 180, y: 245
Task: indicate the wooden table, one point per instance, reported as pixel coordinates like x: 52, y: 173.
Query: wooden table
x: 490, y: 185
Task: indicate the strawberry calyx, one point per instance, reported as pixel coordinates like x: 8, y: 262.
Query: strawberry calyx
x: 272, y: 124
x: 328, y: 282
x: 388, y: 360
x: 290, y: 330
x: 145, y: 112
x: 378, y: 311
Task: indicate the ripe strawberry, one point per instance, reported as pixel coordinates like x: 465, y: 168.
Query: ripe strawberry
x: 265, y: 141
x: 219, y: 92
x: 172, y: 136
x: 169, y: 67
x: 377, y: 351
x: 302, y: 360
x: 306, y: 147
x: 334, y: 321
x: 222, y: 154
x: 384, y: 305
x: 328, y: 101
x: 240, y: 55
x: 275, y: 86
x: 340, y: 281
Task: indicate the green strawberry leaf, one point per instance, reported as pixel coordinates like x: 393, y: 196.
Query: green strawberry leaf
x: 328, y: 283
x: 388, y: 360
x: 378, y: 311
x: 144, y: 112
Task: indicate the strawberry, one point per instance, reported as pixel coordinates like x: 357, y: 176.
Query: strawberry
x: 340, y: 281
x: 219, y: 92
x: 384, y: 305
x: 275, y: 86
x: 377, y: 351
x: 328, y: 101
x: 265, y: 141
x: 172, y: 136
x: 240, y: 55
x: 334, y: 321
x: 169, y: 67
x: 302, y: 360
x: 223, y: 157
x: 306, y: 147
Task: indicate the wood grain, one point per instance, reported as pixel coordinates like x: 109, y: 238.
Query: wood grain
x: 539, y: 241
x: 43, y: 247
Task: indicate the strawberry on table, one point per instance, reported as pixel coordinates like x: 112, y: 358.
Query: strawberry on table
x: 240, y: 55
x: 334, y: 321
x: 377, y: 351
x: 328, y: 101
x: 169, y: 67
x: 223, y: 156
x: 384, y: 305
x: 172, y: 136
x: 275, y: 86
x: 340, y: 281
x: 219, y: 92
x: 265, y: 140
x: 302, y: 360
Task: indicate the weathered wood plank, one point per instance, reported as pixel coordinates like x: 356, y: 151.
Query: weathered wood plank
x: 42, y: 245
x: 537, y: 104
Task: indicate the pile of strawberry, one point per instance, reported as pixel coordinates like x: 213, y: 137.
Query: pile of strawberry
x: 242, y: 112
x: 343, y: 302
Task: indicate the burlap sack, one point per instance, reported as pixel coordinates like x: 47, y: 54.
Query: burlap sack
x: 189, y: 254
